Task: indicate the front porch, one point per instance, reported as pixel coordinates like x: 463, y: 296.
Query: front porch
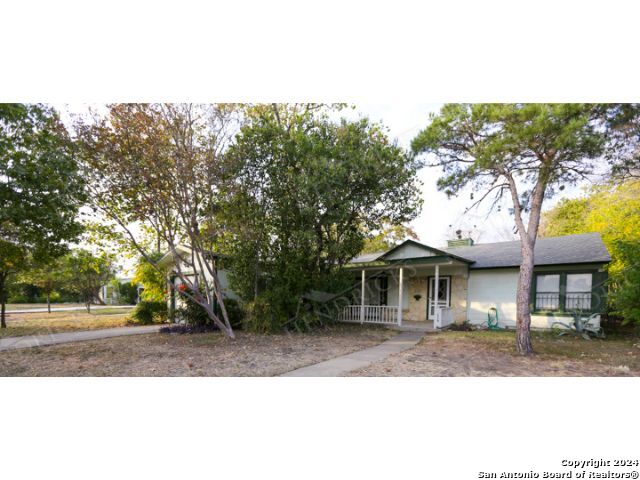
x: 405, y: 296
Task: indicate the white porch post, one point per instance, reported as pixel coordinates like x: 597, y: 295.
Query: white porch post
x: 362, y: 298
x: 400, y: 298
x: 436, y: 305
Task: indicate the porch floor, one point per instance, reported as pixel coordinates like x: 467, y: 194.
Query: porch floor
x: 412, y: 326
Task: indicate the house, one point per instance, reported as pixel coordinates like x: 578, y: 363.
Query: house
x: 468, y: 279
x: 168, y: 262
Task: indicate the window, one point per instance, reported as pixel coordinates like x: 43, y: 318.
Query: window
x: 548, y: 292
x: 563, y: 292
x: 578, y: 295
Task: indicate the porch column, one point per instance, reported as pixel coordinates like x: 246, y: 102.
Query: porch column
x: 400, y: 298
x: 362, y: 298
x: 436, y: 305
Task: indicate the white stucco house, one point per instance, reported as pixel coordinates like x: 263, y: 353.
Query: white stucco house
x: 468, y: 279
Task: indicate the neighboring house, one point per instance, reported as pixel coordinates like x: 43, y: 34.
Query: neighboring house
x: 168, y: 261
x: 470, y: 279
x: 110, y: 294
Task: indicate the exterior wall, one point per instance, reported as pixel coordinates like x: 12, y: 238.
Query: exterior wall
x: 498, y: 288
x: 410, y: 251
x: 417, y: 309
x: 492, y: 288
x: 459, y: 291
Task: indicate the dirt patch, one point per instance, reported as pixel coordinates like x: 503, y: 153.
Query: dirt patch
x: 205, y: 354
x: 493, y: 354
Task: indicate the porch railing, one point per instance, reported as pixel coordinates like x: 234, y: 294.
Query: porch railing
x: 379, y: 314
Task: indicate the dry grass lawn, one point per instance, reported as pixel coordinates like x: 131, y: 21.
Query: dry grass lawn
x: 33, y: 306
x: 485, y: 353
x: 20, y: 324
x: 204, y: 354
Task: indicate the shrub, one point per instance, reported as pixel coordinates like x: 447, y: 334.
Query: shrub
x: 236, y: 313
x: 193, y: 313
x: 258, y: 317
x: 128, y: 293
x: 146, y: 313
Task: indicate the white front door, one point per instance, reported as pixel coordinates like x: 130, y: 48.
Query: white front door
x: 444, y: 295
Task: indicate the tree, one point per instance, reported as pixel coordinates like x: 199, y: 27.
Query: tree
x: 527, y: 151
x: 86, y: 274
x: 157, y: 167
x: 614, y: 212
x: 302, y: 190
x: 47, y: 276
x: 40, y: 190
x: 151, y: 278
x: 388, y: 236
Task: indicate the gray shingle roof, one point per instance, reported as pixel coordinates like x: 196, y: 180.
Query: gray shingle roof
x: 583, y: 248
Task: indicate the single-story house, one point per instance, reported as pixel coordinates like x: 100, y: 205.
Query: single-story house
x: 468, y: 279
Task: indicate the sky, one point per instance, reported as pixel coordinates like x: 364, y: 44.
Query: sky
x: 440, y: 216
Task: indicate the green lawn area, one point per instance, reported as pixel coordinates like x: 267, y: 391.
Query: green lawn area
x: 20, y: 324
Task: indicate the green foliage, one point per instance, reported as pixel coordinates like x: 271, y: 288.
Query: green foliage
x: 147, y: 313
x: 193, y: 313
x: 477, y: 143
x: 614, y: 212
x: 387, y: 237
x: 40, y: 189
x: 236, y: 313
x: 128, y: 293
x: 301, y: 193
x: 153, y: 281
x: 86, y: 273
x: 625, y: 294
x: 260, y: 318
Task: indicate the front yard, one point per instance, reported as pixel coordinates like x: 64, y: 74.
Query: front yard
x: 485, y: 353
x: 204, y: 354
x: 20, y: 324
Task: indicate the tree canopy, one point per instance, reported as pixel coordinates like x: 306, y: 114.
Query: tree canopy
x: 614, y: 212
x: 40, y: 188
x: 524, y: 151
x: 301, y: 192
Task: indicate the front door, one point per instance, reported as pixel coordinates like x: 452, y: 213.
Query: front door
x: 444, y: 295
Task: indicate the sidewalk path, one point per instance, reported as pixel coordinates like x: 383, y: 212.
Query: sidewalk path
x: 68, y: 309
x: 29, y: 341
x: 346, y: 363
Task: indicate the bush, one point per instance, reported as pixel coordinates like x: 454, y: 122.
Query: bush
x: 193, y: 313
x: 236, y: 313
x: 147, y: 313
x: 128, y: 293
x: 258, y: 317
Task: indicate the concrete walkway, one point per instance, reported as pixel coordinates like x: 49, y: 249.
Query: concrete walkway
x: 67, y: 309
x: 29, y: 341
x: 353, y: 361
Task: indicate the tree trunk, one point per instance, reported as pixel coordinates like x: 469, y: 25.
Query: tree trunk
x: 3, y: 300
x: 88, y: 307
x: 523, y: 311
x: 48, y: 302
